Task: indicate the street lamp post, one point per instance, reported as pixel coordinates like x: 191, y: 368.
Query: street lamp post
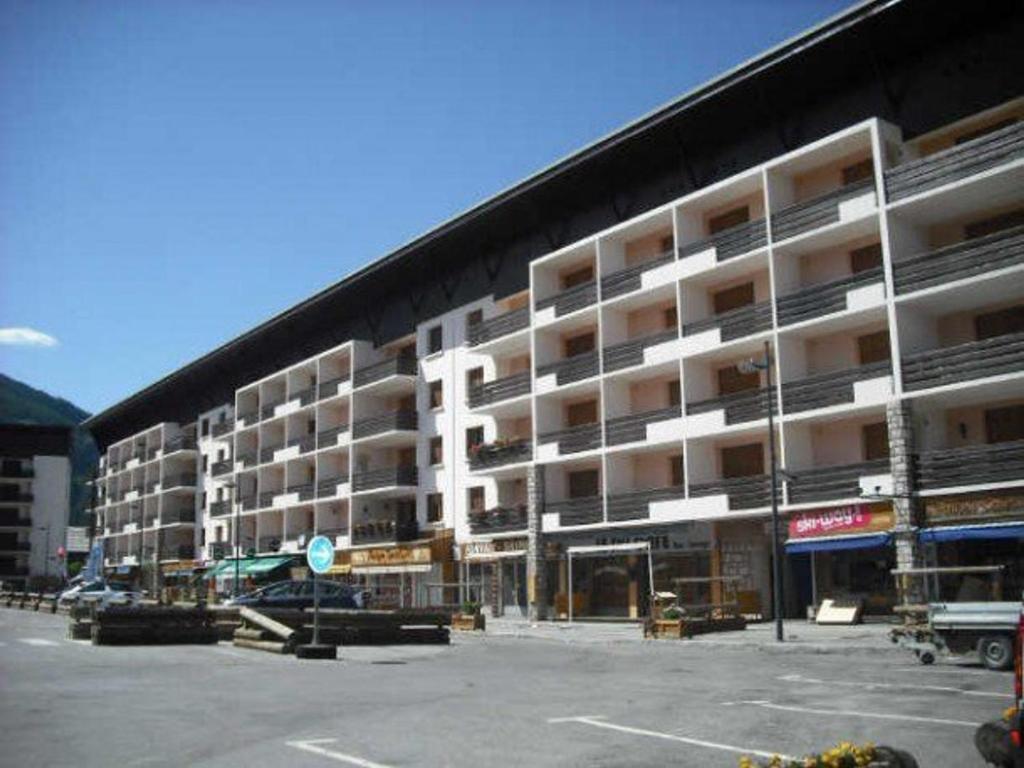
x: 765, y: 365
x: 232, y: 488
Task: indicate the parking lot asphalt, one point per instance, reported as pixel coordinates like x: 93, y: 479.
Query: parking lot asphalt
x: 484, y: 700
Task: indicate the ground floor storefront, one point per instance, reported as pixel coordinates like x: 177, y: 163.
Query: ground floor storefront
x: 414, y: 575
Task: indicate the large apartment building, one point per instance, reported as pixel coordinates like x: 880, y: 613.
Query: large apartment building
x: 831, y: 235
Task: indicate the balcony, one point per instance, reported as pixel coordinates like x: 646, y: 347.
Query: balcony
x: 749, y: 405
x: 631, y: 279
x: 180, y: 552
x: 736, y: 323
x: 330, y: 387
x: 180, y: 443
x: 305, y: 491
x: 831, y: 483
x: 407, y: 421
x: 730, y: 243
x: 267, y: 454
x: 220, y: 508
x: 817, y: 212
x: 177, y: 516
x: 824, y: 299
x: 369, y: 480
x: 269, y: 544
x: 305, y: 443
x: 570, y: 369
x: 11, y: 519
x: 150, y: 488
x: 744, y: 492
x: 491, y: 455
x: 635, y: 505
x: 960, y: 260
x: 958, y: 162
x: 496, y: 327
x: 631, y: 353
x: 402, y: 365
x: 328, y: 437
x: 828, y: 389
x: 973, y: 465
x: 267, y: 411
x: 571, y: 299
x: 16, y: 471
x: 266, y: 498
x: 249, y: 418
x: 249, y: 503
x: 584, y: 437
x: 498, y: 520
x: 328, y: 486
x: 384, y: 532
x: 633, y: 428
x: 964, y: 362
x: 584, y: 511
x: 500, y: 389
x: 250, y: 459
x: 222, y: 428
x: 219, y: 468
x: 304, y: 396
x: 14, y: 495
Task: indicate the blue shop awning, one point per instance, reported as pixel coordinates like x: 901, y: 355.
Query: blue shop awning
x: 834, y: 543
x: 975, y: 532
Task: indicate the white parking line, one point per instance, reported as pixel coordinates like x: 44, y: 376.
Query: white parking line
x: 599, y: 722
x: 904, y: 686
x: 312, y: 745
x: 994, y: 674
x: 36, y: 641
x: 851, y: 713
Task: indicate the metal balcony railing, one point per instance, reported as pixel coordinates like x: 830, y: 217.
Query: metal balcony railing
x: 498, y: 326
x: 743, y: 492
x: 328, y: 486
x: 635, y: 505
x: 736, y: 323
x: 179, y: 443
x: 571, y: 299
x: 827, y: 389
x: 221, y: 467
x: 584, y: 511
x: 830, y: 483
x: 731, y: 242
x: 181, y: 480
x: 970, y: 465
x: 266, y: 498
x: 385, y: 422
x: 305, y: 443
x: 630, y: 353
x: 823, y: 299
x: 500, y: 389
x: 958, y: 162
x: 384, y: 531
x: 327, y: 437
x: 570, y: 369
x: 267, y: 410
x: 631, y: 278
x: 402, y: 365
x: 633, y: 428
x: 817, y: 212
x: 964, y: 362
x: 304, y: 396
x: 269, y: 544
x: 584, y: 437
x: 168, y: 517
x: 250, y: 459
x: 222, y: 427
x: 306, y: 491
x: 249, y: 503
x: 220, y: 508
x: 150, y: 488
x: 383, y: 478
x: 331, y: 387
x: 491, y: 455
x: 249, y: 418
x: 180, y: 552
x: 748, y: 405
x: 498, y: 520
x: 267, y: 454
x: 960, y: 260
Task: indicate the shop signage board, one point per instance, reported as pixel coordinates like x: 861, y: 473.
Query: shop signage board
x: 848, y: 520
x: 419, y: 555
x: 482, y: 549
x: 974, y: 507
x: 693, y: 536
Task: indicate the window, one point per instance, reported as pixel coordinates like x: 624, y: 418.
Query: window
x: 434, y: 340
x: 999, y: 323
x: 674, y: 393
x: 578, y: 414
x: 577, y: 345
x: 474, y: 377
x: 729, y: 219
x: 204, y: 427
x: 876, y: 441
x: 868, y: 257
x: 475, y: 317
x: 733, y: 298
x: 476, y: 499
x: 474, y: 437
x: 436, y: 450
x: 671, y: 317
x: 577, y: 277
x: 865, y: 169
x: 435, y: 507
x: 584, y: 484
x: 873, y: 347
x: 436, y: 393
x: 994, y: 224
x: 676, y: 469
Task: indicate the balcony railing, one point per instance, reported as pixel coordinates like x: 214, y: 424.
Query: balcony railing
x: 182, y: 480
x: 249, y: 418
x: 827, y: 389
x: 267, y: 411
x: 306, y: 491
x: 16, y: 496
x: 958, y: 162
x: 964, y: 362
x: 736, y: 323
x: 630, y: 353
x: 305, y: 443
x: 167, y: 517
x: 633, y: 428
x: 748, y: 405
x: 267, y: 454
x: 330, y: 387
x: 830, y: 483
x: 16, y: 471
x: 150, y: 488
x: 823, y: 299
x: 328, y: 486
x: 491, y: 455
x: 11, y: 519
x: 818, y: 212
x: 584, y: 511
x: 498, y: 326
x: 498, y: 520
x: 222, y: 427
x: 220, y: 508
x: 266, y: 498
x: 368, y: 480
x: 971, y: 465
x: 249, y: 503
x: 500, y: 389
x: 571, y: 299
x: 250, y: 459
x: 327, y: 437
x: 574, y: 439
x: 384, y: 531
x: 402, y: 365
x: 180, y: 552
x: 960, y: 260
x: 630, y: 279
x: 180, y: 443
x: 221, y: 467
x: 269, y: 544
x: 743, y: 492
x: 730, y: 243
x: 304, y: 396
x: 570, y: 369
x: 386, y: 422
x: 635, y: 505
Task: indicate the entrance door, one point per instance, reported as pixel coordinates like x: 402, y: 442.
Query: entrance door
x: 802, y: 580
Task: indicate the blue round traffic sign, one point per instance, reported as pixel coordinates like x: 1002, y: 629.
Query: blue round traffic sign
x: 320, y: 554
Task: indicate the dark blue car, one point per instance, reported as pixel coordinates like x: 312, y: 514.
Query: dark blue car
x: 299, y: 594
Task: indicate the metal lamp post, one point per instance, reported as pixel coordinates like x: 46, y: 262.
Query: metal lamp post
x: 751, y: 366
x: 232, y: 488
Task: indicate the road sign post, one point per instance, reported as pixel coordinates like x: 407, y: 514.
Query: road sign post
x: 320, y: 557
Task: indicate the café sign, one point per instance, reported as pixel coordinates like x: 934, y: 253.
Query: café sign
x: 839, y: 521
x: 391, y: 556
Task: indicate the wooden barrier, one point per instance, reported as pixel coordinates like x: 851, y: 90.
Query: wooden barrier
x: 151, y: 625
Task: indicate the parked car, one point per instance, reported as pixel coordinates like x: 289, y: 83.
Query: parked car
x: 100, y: 592
x: 299, y: 594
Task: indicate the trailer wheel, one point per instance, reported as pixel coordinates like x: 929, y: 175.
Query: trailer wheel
x: 926, y: 657
x: 996, y: 651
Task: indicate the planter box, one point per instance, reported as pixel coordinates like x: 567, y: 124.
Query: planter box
x: 468, y: 622
x: 675, y: 629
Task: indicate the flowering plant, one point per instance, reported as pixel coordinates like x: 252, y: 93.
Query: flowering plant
x: 844, y: 755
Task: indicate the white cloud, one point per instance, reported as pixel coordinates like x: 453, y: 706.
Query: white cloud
x: 26, y: 337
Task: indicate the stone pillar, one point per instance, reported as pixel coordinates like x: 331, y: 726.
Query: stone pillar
x: 536, y: 568
x: 899, y: 418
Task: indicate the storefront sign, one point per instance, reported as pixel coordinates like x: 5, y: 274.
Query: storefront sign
x: 482, y: 549
x: 976, y: 507
x: 681, y: 537
x: 839, y: 521
x: 391, y: 556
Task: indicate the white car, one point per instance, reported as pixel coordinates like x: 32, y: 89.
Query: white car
x: 100, y: 592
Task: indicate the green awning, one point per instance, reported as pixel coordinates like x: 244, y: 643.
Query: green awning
x: 251, y: 566
x: 265, y: 564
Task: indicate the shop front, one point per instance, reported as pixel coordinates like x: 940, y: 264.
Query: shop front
x: 404, y: 576
x: 251, y: 573
x: 494, y: 575
x: 971, y: 530
x: 843, y: 554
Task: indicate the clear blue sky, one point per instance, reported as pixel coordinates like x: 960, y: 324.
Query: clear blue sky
x: 172, y: 173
